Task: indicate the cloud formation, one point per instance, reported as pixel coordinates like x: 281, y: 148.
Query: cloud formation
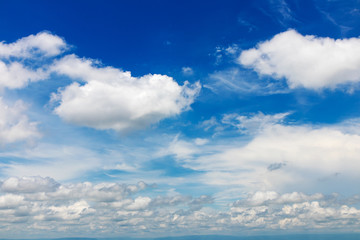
x: 108, y: 98
x: 14, y: 73
x: 110, y: 209
x: 278, y: 156
x: 15, y: 125
x: 306, y: 61
x: 43, y: 43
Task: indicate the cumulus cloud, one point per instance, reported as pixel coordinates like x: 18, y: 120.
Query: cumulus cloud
x: 110, y: 209
x: 306, y: 61
x: 29, y: 185
x: 108, y: 98
x: 89, y: 208
x: 271, y: 197
x: 14, y: 125
x: 14, y: 73
x: 43, y: 43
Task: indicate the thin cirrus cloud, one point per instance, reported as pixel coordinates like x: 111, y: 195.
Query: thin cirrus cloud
x: 108, y: 98
x: 306, y: 61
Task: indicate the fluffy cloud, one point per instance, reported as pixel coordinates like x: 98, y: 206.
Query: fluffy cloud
x: 106, y: 207
x: 14, y: 125
x: 109, y: 98
x: 14, y: 73
x: 29, y: 184
x: 306, y: 61
x: 43, y: 43
x: 111, y: 209
x: 277, y: 156
x: 270, y: 197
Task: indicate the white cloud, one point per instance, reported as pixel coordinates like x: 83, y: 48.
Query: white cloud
x: 113, y: 99
x: 179, y: 148
x: 187, y: 71
x: 110, y: 209
x: 201, y: 141
x: 282, y: 157
x: 242, y: 82
x: 271, y: 197
x: 10, y: 201
x: 14, y: 125
x: 253, y: 123
x: 67, y: 212
x: 29, y: 184
x: 15, y: 75
x: 43, y: 43
x: 306, y: 61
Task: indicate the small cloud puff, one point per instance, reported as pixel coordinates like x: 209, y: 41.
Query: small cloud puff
x: 187, y: 71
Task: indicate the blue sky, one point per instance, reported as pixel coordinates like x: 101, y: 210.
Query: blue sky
x: 166, y: 118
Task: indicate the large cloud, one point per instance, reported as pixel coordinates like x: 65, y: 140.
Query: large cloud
x: 306, y: 61
x: 109, y: 98
x: 278, y: 156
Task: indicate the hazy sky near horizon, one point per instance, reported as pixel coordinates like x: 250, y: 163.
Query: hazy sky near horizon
x: 156, y: 118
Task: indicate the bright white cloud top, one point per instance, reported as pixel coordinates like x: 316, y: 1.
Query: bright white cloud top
x: 43, y: 43
x: 113, y: 99
x: 306, y: 61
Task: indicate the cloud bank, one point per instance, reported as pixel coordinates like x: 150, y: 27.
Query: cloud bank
x: 113, y: 209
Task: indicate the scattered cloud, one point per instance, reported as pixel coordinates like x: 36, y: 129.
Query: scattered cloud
x: 252, y: 123
x: 187, y: 71
x: 306, y: 61
x: 15, y: 75
x: 278, y: 156
x: 108, y: 98
x: 29, y: 185
x: 242, y: 82
x: 110, y: 209
x: 15, y: 125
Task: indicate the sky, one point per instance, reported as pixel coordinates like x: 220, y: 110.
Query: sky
x: 169, y: 118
